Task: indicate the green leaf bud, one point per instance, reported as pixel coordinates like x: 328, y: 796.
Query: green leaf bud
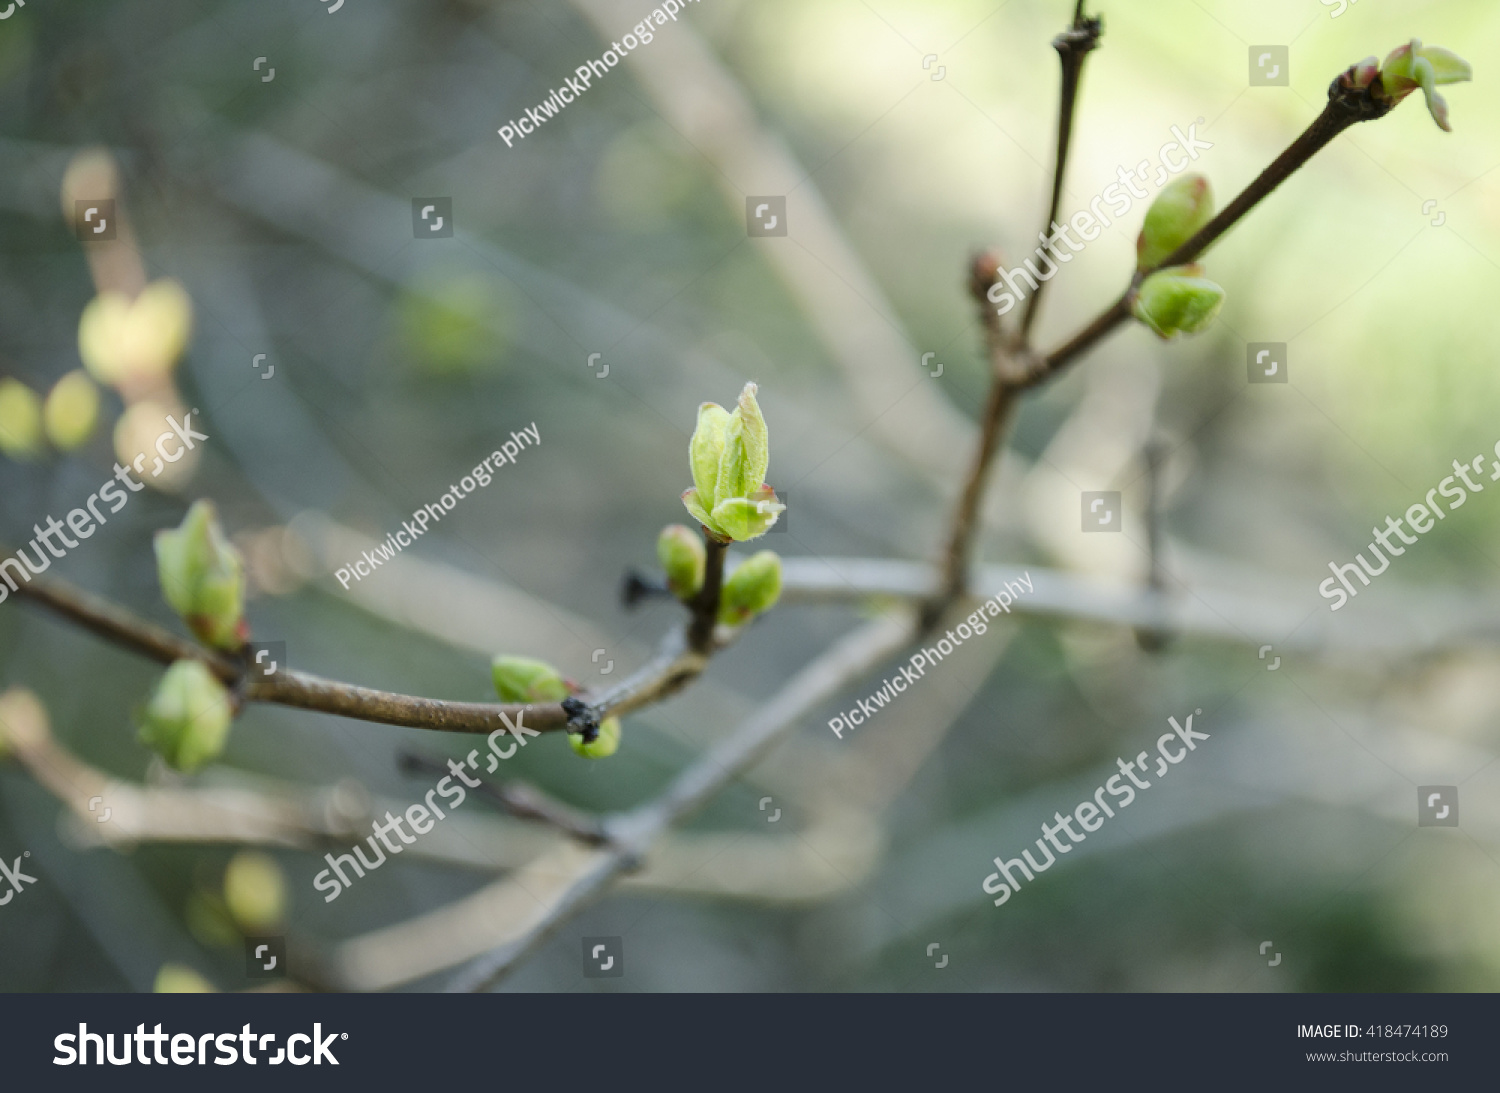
x: 707, y: 446
x: 753, y: 587
x: 1413, y: 65
x: 203, y: 578
x: 605, y: 744
x: 523, y: 679
x: 1174, y: 217
x: 186, y: 720
x: 683, y: 558
x: 729, y: 455
x: 1176, y: 301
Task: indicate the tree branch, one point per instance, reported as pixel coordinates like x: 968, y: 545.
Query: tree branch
x: 674, y: 666
x: 633, y: 834
x: 1073, y: 47
x: 1346, y: 106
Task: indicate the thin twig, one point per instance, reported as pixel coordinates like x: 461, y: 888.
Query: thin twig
x: 523, y: 801
x: 1346, y: 106
x: 1073, y: 47
x: 671, y: 670
x: 632, y: 835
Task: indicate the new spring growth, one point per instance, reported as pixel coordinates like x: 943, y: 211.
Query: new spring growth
x: 186, y: 720
x: 605, y: 744
x: 1407, y: 68
x: 1177, y: 301
x: 753, y: 587
x: 203, y: 578
x: 1174, y: 217
x: 683, y: 559
x: 523, y: 679
x: 728, y: 455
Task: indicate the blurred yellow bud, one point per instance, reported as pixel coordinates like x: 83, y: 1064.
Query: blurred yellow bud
x: 71, y: 411
x: 144, y: 434
x: 123, y: 340
x: 255, y: 891
x: 20, y: 420
x: 177, y: 979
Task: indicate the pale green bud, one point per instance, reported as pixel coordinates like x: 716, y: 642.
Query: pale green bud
x: 523, y: 679
x: 605, y: 744
x: 753, y: 587
x: 203, y: 578
x: 71, y: 410
x: 729, y: 455
x: 1176, y: 301
x: 186, y: 720
x: 177, y: 979
x: 1174, y: 217
x: 20, y: 420
x: 255, y: 891
x: 683, y: 558
x: 1413, y: 65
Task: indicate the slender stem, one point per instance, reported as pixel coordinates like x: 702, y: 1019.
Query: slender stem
x: 672, y: 669
x: 1073, y: 47
x: 523, y: 801
x: 1346, y: 106
x: 705, y: 605
x: 958, y: 555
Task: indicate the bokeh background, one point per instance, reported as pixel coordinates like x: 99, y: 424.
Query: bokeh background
x: 283, y: 207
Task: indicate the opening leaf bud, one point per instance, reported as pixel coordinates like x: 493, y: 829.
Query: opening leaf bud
x: 524, y: 679
x: 1414, y: 65
x: 1176, y: 301
x: 1174, y: 217
x: 203, y: 578
x: 729, y: 455
x: 753, y: 587
x: 186, y: 720
x: 605, y: 744
x: 683, y: 559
